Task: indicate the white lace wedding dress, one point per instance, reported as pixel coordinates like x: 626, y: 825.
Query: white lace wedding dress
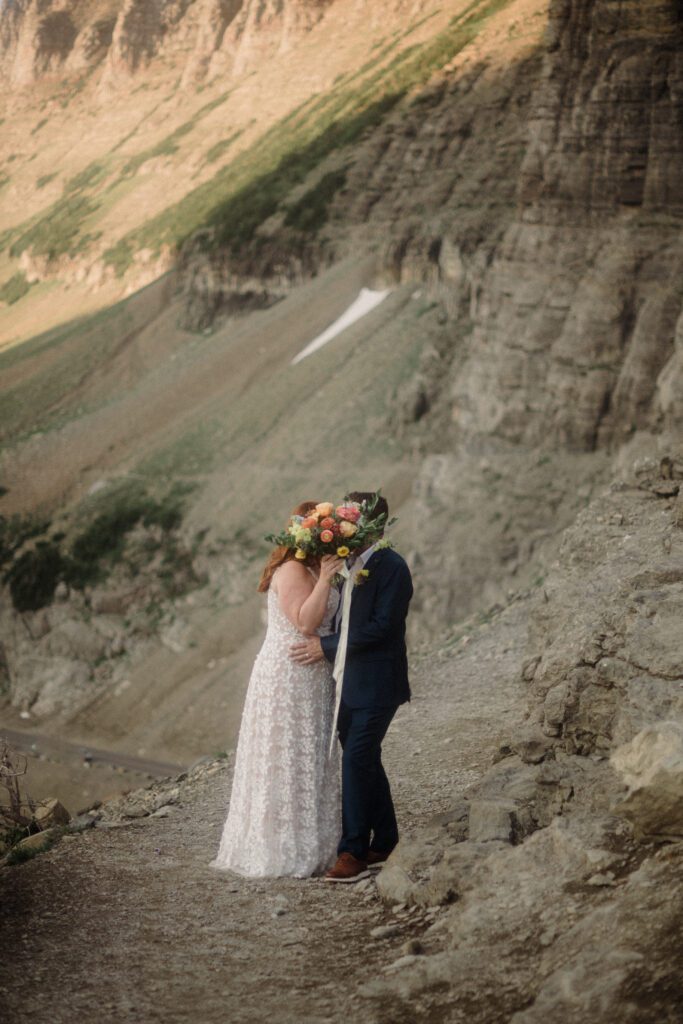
x: 285, y: 815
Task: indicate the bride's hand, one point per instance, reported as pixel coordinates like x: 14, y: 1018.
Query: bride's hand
x: 330, y: 565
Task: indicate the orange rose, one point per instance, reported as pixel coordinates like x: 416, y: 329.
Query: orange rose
x: 325, y: 508
x: 347, y: 529
x: 327, y: 523
x: 326, y: 536
x: 310, y: 522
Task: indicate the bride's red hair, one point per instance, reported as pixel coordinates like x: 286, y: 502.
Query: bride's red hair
x: 281, y: 554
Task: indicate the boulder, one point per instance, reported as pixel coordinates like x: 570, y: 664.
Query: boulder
x: 112, y: 602
x: 652, y: 767
x: 39, y: 840
x: 532, y: 745
x: 491, y: 820
x: 51, y: 812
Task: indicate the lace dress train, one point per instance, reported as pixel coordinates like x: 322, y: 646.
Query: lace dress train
x: 285, y: 815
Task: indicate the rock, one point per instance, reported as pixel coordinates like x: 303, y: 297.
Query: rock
x: 582, y: 992
x: 50, y: 684
x: 401, y: 963
x: 533, y: 745
x: 600, y: 879
x: 491, y: 820
x: 112, y: 602
x: 385, y: 931
x: 82, y: 822
x: 51, y: 812
x: 652, y: 766
x: 39, y: 840
x: 428, y: 874
x: 75, y: 639
x: 165, y: 811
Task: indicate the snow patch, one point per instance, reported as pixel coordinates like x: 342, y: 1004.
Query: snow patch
x: 366, y: 301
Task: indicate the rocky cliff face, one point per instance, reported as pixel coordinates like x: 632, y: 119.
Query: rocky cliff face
x: 549, y: 222
x: 574, y: 309
x: 45, y: 37
x: 581, y: 302
x: 561, y: 868
x: 570, y: 272
x: 41, y: 38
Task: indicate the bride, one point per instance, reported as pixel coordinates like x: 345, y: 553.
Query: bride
x: 284, y: 816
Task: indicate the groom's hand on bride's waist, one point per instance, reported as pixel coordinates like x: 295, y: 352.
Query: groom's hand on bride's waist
x: 307, y: 651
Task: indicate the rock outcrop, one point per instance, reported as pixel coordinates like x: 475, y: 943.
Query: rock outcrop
x: 652, y: 766
x: 39, y: 38
x: 561, y: 868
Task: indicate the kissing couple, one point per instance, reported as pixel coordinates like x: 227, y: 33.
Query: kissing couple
x: 331, y: 673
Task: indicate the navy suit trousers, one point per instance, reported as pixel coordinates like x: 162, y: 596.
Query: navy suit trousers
x: 368, y: 817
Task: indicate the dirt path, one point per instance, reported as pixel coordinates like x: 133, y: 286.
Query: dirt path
x: 53, y: 746
x: 131, y: 925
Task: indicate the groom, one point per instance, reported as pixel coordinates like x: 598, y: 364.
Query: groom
x: 375, y: 683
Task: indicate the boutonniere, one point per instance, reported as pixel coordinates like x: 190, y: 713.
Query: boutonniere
x: 361, y: 577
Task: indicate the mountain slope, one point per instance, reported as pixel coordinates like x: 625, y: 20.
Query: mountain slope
x: 82, y: 215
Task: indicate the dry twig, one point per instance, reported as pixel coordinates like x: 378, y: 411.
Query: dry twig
x: 16, y: 811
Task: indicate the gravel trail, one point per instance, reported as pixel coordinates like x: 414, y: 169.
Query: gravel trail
x: 128, y: 923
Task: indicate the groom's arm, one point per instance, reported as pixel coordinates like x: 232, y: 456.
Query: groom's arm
x: 389, y: 611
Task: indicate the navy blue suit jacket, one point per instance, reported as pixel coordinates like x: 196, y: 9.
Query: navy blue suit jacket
x: 376, y: 670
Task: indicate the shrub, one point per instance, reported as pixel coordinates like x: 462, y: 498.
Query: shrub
x: 15, y: 531
x: 104, y: 537
x: 89, y: 176
x: 45, y: 179
x: 34, y: 576
x: 57, y: 232
x: 310, y: 213
x: 14, y: 288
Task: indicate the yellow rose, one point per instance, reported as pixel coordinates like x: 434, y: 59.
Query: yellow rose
x: 343, y: 551
x: 325, y: 508
x: 347, y: 529
x: 300, y: 554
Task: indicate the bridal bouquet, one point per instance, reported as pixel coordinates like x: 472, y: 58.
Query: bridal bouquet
x: 332, y: 530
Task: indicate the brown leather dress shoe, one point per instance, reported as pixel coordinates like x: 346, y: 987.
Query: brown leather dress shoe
x: 347, y: 869
x: 376, y: 858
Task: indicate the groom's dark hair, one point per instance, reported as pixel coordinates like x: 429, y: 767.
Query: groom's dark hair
x: 381, y: 505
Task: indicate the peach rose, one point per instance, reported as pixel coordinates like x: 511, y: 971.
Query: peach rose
x: 327, y: 523
x: 348, y: 512
x: 326, y: 536
x: 325, y: 508
x: 309, y: 522
x: 347, y: 529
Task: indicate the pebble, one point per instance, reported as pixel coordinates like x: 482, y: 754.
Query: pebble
x: 163, y: 812
x: 403, y: 961
x: 385, y: 931
x: 602, y: 879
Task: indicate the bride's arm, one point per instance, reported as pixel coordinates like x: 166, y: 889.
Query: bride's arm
x: 304, y: 603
